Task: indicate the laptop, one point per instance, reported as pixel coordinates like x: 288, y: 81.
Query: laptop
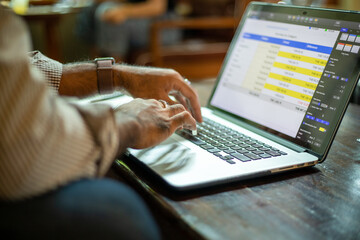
x: 278, y: 101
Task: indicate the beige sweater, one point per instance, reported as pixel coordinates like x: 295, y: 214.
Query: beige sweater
x: 45, y: 142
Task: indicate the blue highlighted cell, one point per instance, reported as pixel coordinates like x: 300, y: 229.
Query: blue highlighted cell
x: 290, y: 43
x: 344, y: 30
x: 322, y: 121
x: 310, y: 117
x: 317, y: 120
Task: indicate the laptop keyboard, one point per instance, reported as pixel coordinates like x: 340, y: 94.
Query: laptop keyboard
x: 228, y: 144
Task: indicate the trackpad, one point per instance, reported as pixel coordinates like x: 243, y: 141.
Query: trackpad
x: 168, y: 157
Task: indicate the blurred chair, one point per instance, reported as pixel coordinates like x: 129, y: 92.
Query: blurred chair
x: 195, y: 58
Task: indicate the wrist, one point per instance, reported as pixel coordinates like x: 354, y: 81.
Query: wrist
x: 129, y: 129
x: 104, y: 71
x: 122, y: 76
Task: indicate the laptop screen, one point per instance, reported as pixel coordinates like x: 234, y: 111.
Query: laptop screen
x: 291, y: 71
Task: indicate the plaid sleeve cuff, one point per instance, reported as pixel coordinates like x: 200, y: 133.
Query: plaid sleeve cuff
x: 51, y: 69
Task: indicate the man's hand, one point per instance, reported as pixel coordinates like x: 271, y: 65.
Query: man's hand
x: 158, y: 83
x: 145, y: 123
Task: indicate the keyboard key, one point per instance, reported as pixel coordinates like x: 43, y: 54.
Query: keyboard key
x: 211, y: 142
x: 228, y: 144
x: 223, y: 157
x: 264, y: 149
x: 242, y: 151
x: 236, y: 148
x: 223, y: 147
x: 230, y: 161
x: 229, y: 151
x: 243, y: 145
x: 252, y: 156
x: 273, y: 153
x: 217, y: 144
x: 241, y: 157
x: 191, y: 138
x: 206, y: 146
x: 257, y: 152
x: 251, y: 149
x: 197, y: 141
x: 218, y: 154
x: 213, y: 150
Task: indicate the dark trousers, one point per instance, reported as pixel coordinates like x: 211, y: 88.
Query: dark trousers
x: 87, y: 209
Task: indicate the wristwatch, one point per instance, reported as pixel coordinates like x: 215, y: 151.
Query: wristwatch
x: 105, y: 74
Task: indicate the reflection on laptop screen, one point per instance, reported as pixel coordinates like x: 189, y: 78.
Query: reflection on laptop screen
x: 276, y: 72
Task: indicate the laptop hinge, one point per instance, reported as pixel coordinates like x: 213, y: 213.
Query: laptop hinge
x: 260, y: 132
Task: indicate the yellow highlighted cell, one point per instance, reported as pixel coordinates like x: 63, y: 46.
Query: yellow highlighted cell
x: 321, y: 129
x: 302, y: 58
x: 291, y: 93
x: 296, y: 69
x: 293, y: 81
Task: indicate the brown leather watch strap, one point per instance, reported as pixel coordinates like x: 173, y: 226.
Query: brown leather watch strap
x: 105, y: 75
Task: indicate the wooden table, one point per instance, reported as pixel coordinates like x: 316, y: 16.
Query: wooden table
x: 321, y: 202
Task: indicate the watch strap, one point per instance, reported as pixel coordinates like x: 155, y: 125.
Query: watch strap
x: 105, y: 75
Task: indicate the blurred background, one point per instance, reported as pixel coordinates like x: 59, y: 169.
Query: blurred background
x: 203, y: 30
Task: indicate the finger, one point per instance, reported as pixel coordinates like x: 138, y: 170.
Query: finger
x: 183, y: 120
x: 187, y: 81
x: 180, y: 98
x: 163, y: 103
x: 168, y: 100
x: 176, y: 109
x: 188, y: 92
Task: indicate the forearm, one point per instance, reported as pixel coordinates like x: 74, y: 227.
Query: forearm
x: 78, y: 79
x: 81, y: 80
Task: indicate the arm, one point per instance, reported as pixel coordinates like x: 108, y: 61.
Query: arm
x: 46, y: 142
x: 80, y: 79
